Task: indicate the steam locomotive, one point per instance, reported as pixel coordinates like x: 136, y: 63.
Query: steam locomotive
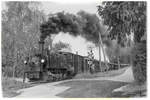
x: 55, y: 66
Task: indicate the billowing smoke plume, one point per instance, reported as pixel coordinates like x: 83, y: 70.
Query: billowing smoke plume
x: 84, y: 24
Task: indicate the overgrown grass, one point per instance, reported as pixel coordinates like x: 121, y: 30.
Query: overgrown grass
x: 132, y: 90
x: 10, y: 86
x: 139, y: 56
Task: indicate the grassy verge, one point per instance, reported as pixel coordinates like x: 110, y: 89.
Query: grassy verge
x: 10, y: 86
x: 132, y: 90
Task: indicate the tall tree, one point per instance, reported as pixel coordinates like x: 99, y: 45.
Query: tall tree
x: 125, y: 18
x: 20, y: 25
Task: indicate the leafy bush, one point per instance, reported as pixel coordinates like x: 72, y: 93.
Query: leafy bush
x: 10, y: 86
x: 7, y: 71
x: 139, y: 62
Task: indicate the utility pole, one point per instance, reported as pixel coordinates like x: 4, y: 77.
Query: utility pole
x: 101, y: 46
x: 104, y: 54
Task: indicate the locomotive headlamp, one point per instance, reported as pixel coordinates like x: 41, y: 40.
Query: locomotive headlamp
x: 42, y: 60
x: 25, y: 62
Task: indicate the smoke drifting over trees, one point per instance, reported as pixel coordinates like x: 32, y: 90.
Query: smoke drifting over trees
x: 84, y: 24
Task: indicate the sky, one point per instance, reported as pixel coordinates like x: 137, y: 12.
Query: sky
x: 53, y: 7
x: 78, y: 44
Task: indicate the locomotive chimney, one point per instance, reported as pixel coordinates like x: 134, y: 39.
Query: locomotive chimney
x: 41, y: 46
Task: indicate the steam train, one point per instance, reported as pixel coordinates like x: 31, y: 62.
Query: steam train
x: 50, y: 66
x: 54, y: 66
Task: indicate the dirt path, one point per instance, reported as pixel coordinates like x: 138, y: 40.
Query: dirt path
x: 51, y: 90
x: 42, y: 91
x: 127, y: 76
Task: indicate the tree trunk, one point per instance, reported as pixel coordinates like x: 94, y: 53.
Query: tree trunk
x: 15, y: 62
x: 100, y: 53
x: 14, y: 54
x: 118, y: 53
x: 118, y: 63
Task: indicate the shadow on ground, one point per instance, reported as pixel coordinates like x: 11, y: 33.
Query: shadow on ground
x: 91, y: 89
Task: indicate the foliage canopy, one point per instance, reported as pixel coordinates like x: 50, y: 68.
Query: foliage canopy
x: 123, y: 18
